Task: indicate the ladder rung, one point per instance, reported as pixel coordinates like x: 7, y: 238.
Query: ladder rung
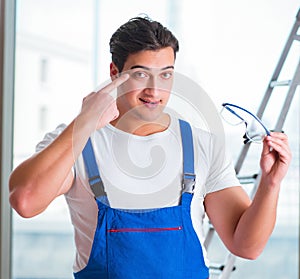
x: 297, y: 37
x: 280, y: 83
x: 219, y: 267
x: 247, y: 179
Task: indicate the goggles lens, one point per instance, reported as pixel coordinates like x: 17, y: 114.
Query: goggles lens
x: 235, y: 115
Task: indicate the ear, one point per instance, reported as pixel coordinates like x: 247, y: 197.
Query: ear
x: 113, y: 71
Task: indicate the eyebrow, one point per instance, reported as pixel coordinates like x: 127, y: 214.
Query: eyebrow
x: 147, y: 68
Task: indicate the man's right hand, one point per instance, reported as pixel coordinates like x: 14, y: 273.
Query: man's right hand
x: 99, y: 108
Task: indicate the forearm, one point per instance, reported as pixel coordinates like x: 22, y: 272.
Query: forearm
x: 257, y: 222
x: 47, y: 174
x: 37, y: 181
x: 246, y: 226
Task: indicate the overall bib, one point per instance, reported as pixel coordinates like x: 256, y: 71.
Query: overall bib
x: 146, y: 244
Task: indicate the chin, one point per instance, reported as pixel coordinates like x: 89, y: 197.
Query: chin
x: 152, y: 116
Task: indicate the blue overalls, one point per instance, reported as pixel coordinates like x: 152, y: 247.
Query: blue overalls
x: 146, y: 244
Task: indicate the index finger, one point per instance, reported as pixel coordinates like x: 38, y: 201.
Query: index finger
x: 280, y: 135
x: 114, y: 84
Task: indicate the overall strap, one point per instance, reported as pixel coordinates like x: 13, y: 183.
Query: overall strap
x: 189, y: 176
x: 91, y: 166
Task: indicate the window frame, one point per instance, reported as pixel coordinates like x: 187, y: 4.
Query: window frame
x: 7, y: 58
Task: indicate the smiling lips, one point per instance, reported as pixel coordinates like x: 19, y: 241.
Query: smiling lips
x: 149, y: 103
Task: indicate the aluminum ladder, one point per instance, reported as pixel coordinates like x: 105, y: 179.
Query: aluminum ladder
x: 292, y: 84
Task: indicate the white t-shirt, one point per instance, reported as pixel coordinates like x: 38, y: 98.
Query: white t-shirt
x: 142, y: 172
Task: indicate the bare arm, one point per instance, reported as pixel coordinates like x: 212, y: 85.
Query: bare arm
x: 246, y: 226
x: 48, y: 174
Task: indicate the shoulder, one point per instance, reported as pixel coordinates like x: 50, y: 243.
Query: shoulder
x: 199, y: 133
x: 207, y: 142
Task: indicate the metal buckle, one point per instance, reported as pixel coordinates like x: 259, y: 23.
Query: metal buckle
x: 97, y: 186
x: 189, y: 181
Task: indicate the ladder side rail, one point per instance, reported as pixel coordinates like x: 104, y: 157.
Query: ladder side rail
x: 288, y: 100
x: 228, y: 267
x: 209, y: 236
x: 241, y: 158
x: 282, y: 116
x: 291, y: 38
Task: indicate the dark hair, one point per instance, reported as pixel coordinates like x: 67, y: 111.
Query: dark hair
x: 138, y: 34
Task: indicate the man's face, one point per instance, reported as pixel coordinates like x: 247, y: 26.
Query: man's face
x: 146, y: 93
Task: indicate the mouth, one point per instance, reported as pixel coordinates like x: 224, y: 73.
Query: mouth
x: 150, y: 103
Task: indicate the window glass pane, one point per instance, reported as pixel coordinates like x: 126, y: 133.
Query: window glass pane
x: 53, y: 73
x: 62, y: 54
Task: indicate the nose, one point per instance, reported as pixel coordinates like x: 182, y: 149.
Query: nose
x: 153, y: 87
x: 152, y: 82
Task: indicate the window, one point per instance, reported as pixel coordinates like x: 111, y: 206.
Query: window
x: 58, y: 62
x: 43, y: 246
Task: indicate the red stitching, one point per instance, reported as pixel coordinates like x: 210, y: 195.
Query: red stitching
x: 144, y: 229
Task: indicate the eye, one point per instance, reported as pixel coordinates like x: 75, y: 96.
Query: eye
x: 140, y: 75
x: 166, y: 75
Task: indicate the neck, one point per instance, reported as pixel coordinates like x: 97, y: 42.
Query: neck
x: 142, y: 128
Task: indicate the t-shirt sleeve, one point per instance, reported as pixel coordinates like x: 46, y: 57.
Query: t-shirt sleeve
x: 220, y: 173
x: 50, y: 137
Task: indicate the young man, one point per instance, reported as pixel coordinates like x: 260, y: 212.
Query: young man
x: 146, y: 220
